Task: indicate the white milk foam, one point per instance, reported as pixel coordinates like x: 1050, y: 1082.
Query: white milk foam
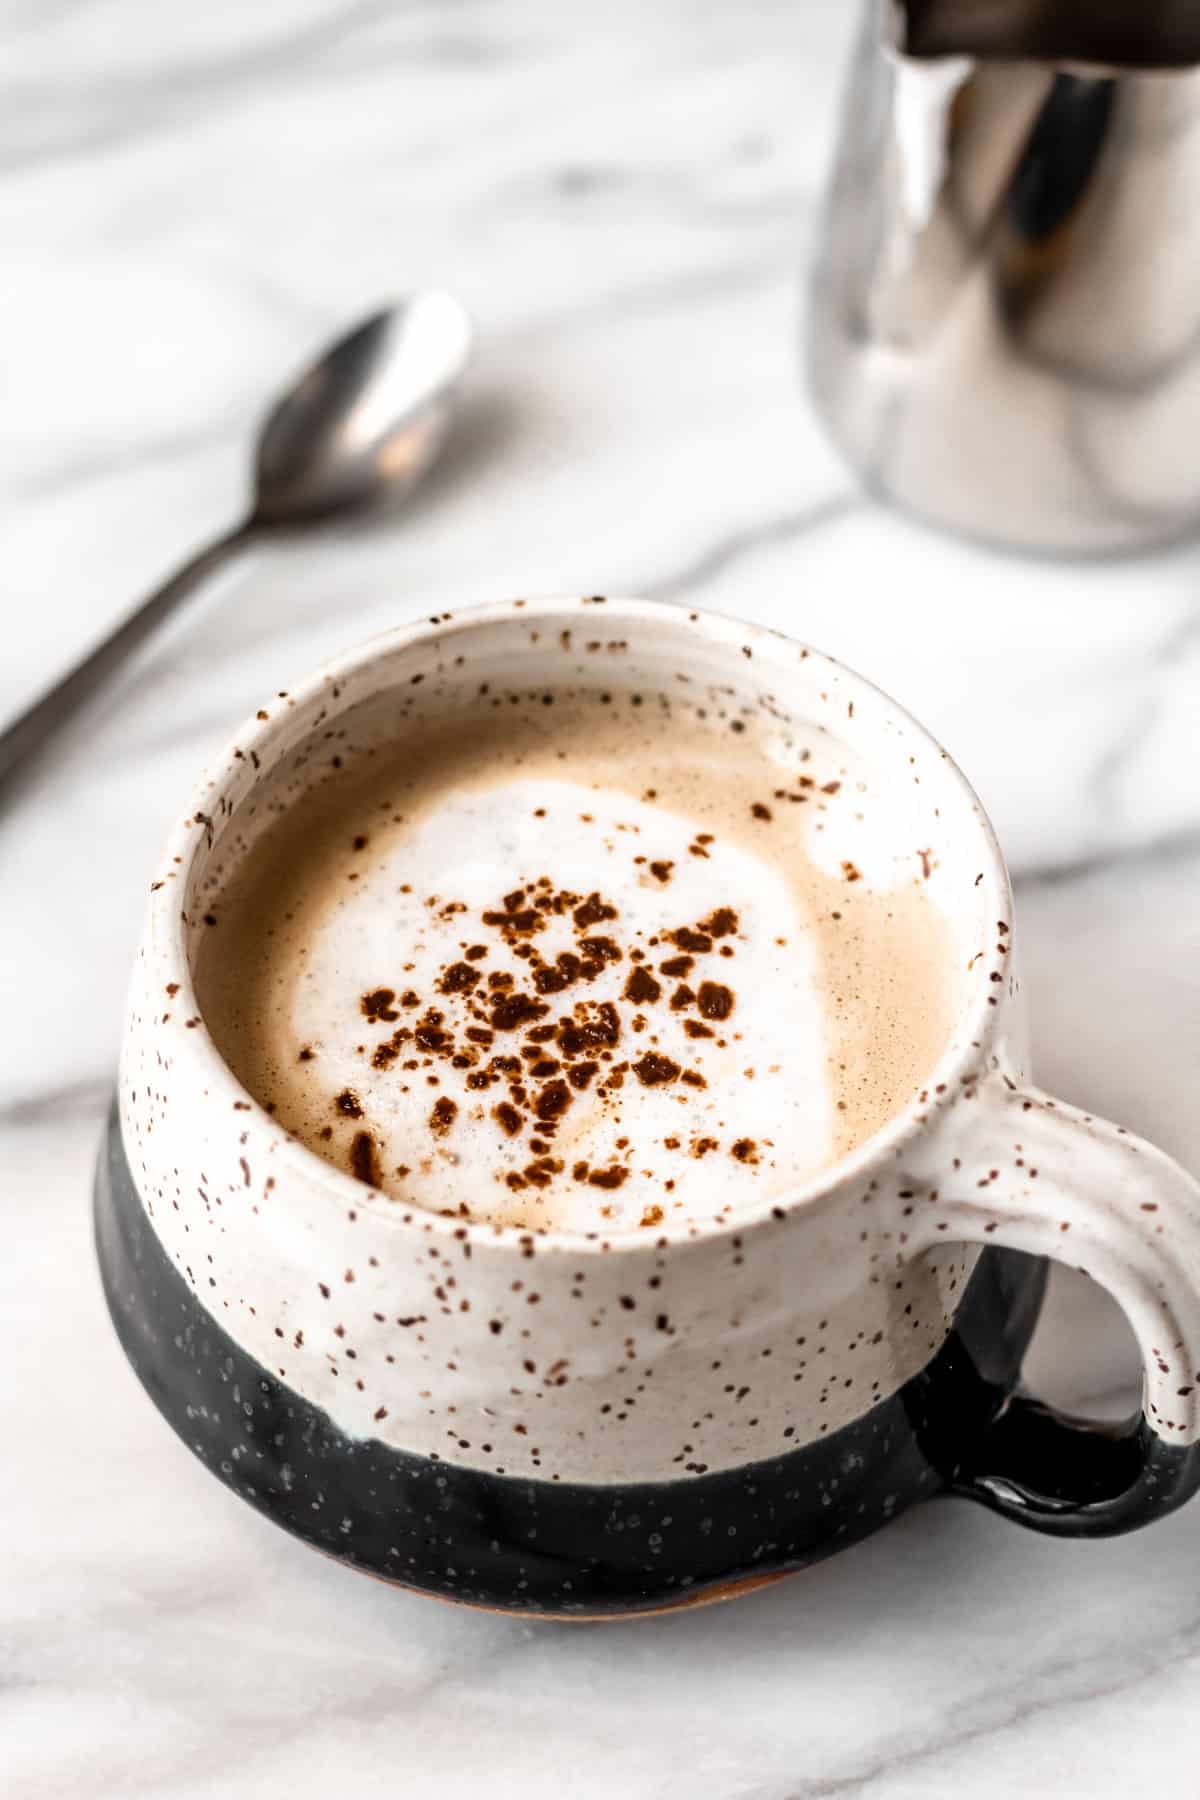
x: 557, y: 979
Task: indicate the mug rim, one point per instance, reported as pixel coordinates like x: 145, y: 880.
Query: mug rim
x: 166, y: 934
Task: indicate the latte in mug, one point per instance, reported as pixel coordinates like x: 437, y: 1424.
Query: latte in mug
x: 589, y: 959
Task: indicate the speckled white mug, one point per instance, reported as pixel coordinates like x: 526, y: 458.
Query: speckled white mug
x: 572, y: 1425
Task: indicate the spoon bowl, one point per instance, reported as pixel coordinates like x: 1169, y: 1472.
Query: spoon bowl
x: 361, y: 426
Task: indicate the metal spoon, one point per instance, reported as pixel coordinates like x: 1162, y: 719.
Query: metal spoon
x: 357, y: 430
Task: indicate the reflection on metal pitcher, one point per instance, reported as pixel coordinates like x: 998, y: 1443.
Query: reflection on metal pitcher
x: 1005, y: 332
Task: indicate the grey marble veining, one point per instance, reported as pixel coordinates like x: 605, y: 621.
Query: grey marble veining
x: 189, y: 202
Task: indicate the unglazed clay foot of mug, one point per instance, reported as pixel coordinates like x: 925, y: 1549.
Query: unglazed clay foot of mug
x: 692, y: 1602
x: 539, y: 1179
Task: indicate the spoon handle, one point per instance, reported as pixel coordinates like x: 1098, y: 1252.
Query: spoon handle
x: 35, y: 727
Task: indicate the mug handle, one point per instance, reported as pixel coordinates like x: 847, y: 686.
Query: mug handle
x: 1040, y: 1176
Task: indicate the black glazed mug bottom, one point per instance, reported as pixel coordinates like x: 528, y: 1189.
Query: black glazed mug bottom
x: 547, y: 1548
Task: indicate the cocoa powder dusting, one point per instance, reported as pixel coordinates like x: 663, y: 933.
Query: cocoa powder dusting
x: 443, y: 1115
x: 652, y: 1070
x: 593, y: 910
x: 515, y: 1010
x: 364, y: 1159
x: 641, y: 987
x: 714, y: 1000
x: 552, y: 1102
x: 684, y: 938
x: 378, y: 1005
x: 554, y: 1058
x: 722, y: 923
x: 459, y: 978
x: 608, y: 1178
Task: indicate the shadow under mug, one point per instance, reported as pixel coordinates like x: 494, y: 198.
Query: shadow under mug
x: 580, y: 1426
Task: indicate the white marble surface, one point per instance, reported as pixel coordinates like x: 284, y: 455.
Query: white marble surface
x: 190, y: 199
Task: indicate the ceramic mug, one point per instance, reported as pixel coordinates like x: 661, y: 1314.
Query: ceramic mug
x: 580, y: 1426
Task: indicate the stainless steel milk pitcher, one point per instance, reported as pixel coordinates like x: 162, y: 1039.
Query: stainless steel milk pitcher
x: 1005, y: 328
